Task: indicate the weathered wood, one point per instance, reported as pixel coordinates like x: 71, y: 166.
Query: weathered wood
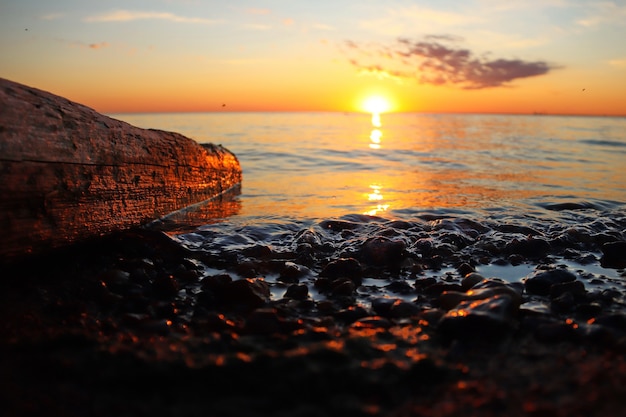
x: 68, y: 173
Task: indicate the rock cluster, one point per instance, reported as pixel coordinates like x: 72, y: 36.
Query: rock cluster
x: 347, y: 317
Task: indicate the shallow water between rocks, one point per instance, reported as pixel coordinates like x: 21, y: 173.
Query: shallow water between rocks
x: 554, y: 177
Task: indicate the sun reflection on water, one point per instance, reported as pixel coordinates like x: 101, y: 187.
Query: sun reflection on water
x: 375, y: 195
x: 375, y: 138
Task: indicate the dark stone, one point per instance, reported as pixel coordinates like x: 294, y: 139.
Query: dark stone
x: 382, y: 251
x: 423, y: 283
x: 372, y: 323
x: 247, y: 293
x: 530, y: 248
x: 576, y: 288
x: 402, y: 309
x: 342, y: 287
x: 588, y: 310
x: 465, y: 269
x: 165, y: 286
x: 343, y: 268
x: 555, y: 332
x: 542, y: 282
x: 291, y: 273
x: 613, y: 255
x: 482, y: 319
x: 440, y: 287
x: 297, y: 292
x: 616, y: 321
x: 382, y: 305
x: 400, y: 287
x: 564, y: 302
x: 351, y: 314
x: 263, y: 321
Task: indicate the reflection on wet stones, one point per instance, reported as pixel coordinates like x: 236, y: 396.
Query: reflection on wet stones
x: 489, y: 318
x: 359, y: 299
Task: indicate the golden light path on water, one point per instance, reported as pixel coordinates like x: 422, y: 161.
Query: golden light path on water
x: 375, y: 195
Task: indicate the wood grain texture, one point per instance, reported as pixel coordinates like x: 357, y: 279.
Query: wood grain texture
x: 68, y: 173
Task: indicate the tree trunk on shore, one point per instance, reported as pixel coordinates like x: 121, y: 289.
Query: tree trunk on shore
x: 68, y: 173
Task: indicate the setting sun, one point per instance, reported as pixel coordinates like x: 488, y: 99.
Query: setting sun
x: 376, y: 104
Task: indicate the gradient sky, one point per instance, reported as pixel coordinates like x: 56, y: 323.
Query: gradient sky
x: 549, y: 56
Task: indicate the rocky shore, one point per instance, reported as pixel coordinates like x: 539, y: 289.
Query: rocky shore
x: 352, y: 316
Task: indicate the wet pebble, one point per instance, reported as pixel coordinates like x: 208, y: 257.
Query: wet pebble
x: 542, y: 282
x: 464, y: 269
x: 245, y: 294
x: 381, y: 251
x: 165, y: 286
x: 555, y: 332
x: 575, y: 288
x: 297, y: 292
x: 490, y: 318
x: 263, y: 321
x: 530, y: 248
x: 470, y: 280
x: 343, y: 268
x: 292, y: 272
x: 614, y: 255
x: 482, y: 291
x: 403, y: 309
x: 400, y: 287
x: 351, y: 314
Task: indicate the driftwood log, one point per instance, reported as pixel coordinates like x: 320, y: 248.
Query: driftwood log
x: 68, y: 173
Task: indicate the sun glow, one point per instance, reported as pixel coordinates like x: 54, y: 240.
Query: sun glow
x: 376, y: 105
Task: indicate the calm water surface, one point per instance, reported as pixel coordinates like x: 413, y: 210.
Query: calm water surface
x: 320, y: 165
x: 422, y: 179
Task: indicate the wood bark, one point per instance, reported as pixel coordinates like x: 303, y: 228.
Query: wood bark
x: 69, y: 173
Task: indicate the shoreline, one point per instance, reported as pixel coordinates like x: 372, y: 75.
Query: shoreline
x: 356, y: 315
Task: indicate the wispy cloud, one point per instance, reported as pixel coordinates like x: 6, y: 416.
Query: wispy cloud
x: 618, y: 63
x: 53, y: 16
x: 604, y: 12
x: 419, y: 19
x: 99, y: 45
x: 256, y: 26
x: 258, y: 11
x: 438, y: 60
x: 84, y: 45
x: 322, y: 26
x: 129, y: 15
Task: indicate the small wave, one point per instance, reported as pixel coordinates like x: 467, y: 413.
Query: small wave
x: 603, y: 205
x: 604, y: 142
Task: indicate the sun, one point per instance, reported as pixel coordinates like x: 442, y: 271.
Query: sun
x: 376, y: 104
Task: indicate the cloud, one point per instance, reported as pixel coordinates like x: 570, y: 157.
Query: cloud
x: 438, y: 60
x: 53, y: 16
x: 618, y: 63
x: 98, y: 45
x: 604, y: 13
x: 258, y: 11
x: 83, y: 45
x: 128, y: 15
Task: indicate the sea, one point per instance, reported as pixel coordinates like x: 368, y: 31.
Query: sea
x: 552, y: 174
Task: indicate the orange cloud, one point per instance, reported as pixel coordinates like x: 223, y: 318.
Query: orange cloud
x: 258, y: 11
x: 128, y: 15
x: 98, y: 45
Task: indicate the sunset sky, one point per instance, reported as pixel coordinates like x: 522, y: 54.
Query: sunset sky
x: 548, y: 56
